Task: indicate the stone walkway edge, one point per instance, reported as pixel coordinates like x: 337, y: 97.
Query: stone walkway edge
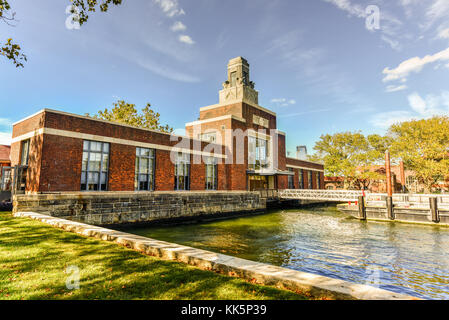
x: 310, y: 285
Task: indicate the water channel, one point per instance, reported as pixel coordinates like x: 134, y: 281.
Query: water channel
x: 405, y: 258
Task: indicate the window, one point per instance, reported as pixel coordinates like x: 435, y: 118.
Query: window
x: 301, y: 179
x: 144, y: 178
x: 211, y: 173
x: 310, y: 180
x: 95, y: 166
x: 291, y: 180
x: 318, y: 180
x: 233, y: 79
x: 182, y: 171
x: 25, y: 153
x: 245, y: 78
x: 257, y: 153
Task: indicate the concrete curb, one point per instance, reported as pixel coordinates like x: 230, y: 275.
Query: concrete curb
x: 311, y: 285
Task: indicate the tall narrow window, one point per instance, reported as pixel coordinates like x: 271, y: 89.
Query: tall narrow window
x: 25, y: 153
x: 310, y: 180
x: 291, y: 181
x: 233, y: 79
x: 182, y: 171
x: 211, y: 173
x: 258, y: 153
x: 95, y: 166
x: 301, y: 179
x: 144, y: 179
x: 318, y: 180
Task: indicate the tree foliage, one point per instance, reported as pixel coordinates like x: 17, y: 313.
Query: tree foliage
x: 423, y: 145
x: 350, y: 155
x: 126, y: 113
x: 83, y: 7
x: 12, y: 51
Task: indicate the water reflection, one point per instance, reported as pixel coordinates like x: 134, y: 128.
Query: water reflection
x: 409, y: 259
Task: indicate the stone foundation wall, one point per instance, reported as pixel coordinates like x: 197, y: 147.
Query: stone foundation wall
x: 108, y: 208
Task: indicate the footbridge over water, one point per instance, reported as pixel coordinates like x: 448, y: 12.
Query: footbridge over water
x: 340, y: 196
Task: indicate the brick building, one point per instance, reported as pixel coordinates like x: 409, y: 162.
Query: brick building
x: 235, y: 145
x: 5, y: 151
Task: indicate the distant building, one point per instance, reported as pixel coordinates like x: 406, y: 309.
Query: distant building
x: 235, y: 145
x: 410, y: 183
x: 5, y: 160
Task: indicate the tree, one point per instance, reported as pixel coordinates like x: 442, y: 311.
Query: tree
x: 351, y: 155
x: 126, y: 113
x: 80, y: 9
x: 423, y: 145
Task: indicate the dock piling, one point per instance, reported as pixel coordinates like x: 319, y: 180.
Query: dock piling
x: 362, y: 208
x: 434, y: 209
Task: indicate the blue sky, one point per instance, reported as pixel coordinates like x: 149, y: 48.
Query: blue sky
x: 315, y: 63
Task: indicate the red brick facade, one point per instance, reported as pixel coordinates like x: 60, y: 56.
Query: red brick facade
x: 56, y: 151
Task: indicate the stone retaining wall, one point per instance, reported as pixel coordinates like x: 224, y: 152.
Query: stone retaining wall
x: 108, y: 208
x: 311, y: 285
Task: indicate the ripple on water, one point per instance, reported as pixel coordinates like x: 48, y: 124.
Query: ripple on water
x: 409, y: 259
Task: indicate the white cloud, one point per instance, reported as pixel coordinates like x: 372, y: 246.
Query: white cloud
x: 283, y: 102
x: 389, y: 24
x: 178, y: 26
x: 5, y: 122
x: 386, y: 119
x: 170, y: 7
x: 420, y: 108
x: 396, y: 88
x: 444, y: 34
x: 431, y: 105
x: 439, y: 9
x: 415, y: 64
x: 186, y: 39
x: 5, y: 138
x: 352, y: 9
x: 165, y: 71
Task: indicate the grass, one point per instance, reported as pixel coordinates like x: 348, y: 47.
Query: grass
x: 34, y: 258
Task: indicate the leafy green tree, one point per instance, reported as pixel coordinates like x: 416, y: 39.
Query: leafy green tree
x: 350, y: 155
x: 82, y: 8
x: 126, y: 113
x: 423, y: 145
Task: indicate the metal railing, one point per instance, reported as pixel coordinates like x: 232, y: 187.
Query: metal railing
x: 320, y: 195
x: 372, y: 199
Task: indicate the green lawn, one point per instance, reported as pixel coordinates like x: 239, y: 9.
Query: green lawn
x: 34, y: 257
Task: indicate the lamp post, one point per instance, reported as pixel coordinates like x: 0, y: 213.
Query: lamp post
x: 403, y: 182
x: 390, y: 211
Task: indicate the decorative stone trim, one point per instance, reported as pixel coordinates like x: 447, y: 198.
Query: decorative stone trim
x: 308, y: 284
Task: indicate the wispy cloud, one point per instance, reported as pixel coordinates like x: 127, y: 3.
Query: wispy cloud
x: 283, y: 102
x: 186, y: 39
x: 413, y: 65
x: 389, y: 24
x: 420, y: 108
x: 5, y: 122
x: 393, y: 88
x: 5, y: 138
x: 386, y: 119
x: 170, y: 7
x: 165, y: 71
x: 443, y: 34
x: 178, y: 26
